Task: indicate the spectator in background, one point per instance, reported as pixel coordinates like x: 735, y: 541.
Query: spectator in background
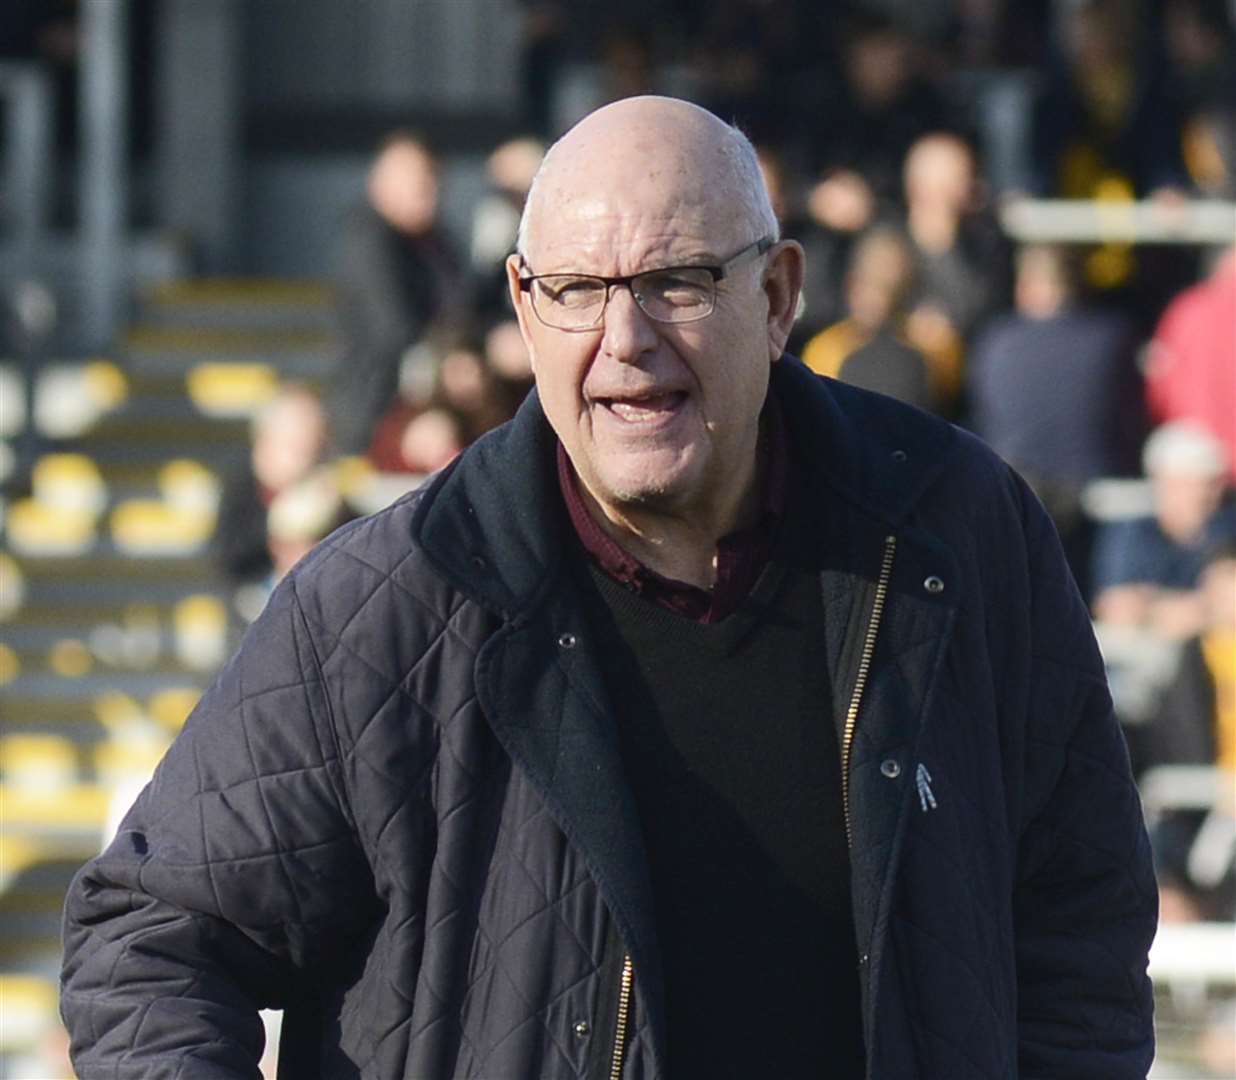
x: 1147, y: 569
x: 1201, y: 54
x: 299, y: 516
x: 397, y: 279
x: 478, y: 384
x: 870, y: 347
x: 1209, y: 142
x: 1105, y: 123
x: 289, y: 440
x: 1054, y: 388
x: 430, y: 442
x: 510, y: 367
x: 416, y: 439
x: 543, y: 50
x: 757, y: 65
x: 827, y: 249
x: 884, y: 103
x: 1192, y: 370
x: 960, y: 253
x: 1195, y: 724
x: 1105, y: 127
x: 495, y: 219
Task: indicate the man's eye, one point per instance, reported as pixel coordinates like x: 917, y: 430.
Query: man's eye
x: 680, y: 290
x: 574, y: 292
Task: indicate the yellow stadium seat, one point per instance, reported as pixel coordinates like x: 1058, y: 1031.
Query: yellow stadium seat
x: 151, y: 527
x: 43, y: 762
x: 230, y: 390
x: 28, y: 1006
x: 106, y: 384
x: 189, y: 486
x: 199, y: 625
x: 34, y: 528
x: 170, y: 708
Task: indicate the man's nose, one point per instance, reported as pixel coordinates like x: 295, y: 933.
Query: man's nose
x: 628, y: 331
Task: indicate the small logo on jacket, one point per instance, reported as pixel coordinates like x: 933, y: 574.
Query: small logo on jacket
x: 922, y: 780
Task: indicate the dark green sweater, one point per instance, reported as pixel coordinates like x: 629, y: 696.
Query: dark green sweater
x: 729, y: 747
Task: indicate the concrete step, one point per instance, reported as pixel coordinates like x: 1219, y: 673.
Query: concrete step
x: 107, y: 564
x: 159, y: 350
x: 238, y: 304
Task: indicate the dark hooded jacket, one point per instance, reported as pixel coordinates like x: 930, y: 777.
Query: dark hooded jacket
x: 399, y: 814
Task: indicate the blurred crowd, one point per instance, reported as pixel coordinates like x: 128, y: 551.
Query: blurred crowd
x: 1105, y: 372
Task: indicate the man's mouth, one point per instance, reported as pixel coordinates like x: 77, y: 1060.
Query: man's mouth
x: 645, y: 410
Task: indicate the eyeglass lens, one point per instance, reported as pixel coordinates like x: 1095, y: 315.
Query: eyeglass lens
x: 572, y: 301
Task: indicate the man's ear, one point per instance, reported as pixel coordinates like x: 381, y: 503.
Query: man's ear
x: 783, y: 285
x: 520, y: 301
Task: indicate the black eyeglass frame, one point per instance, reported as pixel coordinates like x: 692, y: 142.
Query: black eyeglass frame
x: 717, y: 273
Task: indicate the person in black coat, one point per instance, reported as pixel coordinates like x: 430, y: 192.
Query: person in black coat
x: 710, y: 719
x: 398, y: 278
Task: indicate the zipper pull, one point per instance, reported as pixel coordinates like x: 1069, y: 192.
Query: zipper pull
x: 922, y: 780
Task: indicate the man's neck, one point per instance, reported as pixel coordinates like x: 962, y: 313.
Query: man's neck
x: 933, y: 228
x: 678, y: 544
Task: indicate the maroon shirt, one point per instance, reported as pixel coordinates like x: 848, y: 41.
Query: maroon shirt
x: 740, y: 555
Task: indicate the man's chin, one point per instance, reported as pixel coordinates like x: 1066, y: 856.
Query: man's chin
x: 647, y: 490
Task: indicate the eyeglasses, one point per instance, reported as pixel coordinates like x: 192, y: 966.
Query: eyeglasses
x: 669, y: 294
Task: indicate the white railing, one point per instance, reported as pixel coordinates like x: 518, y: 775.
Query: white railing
x: 1150, y: 221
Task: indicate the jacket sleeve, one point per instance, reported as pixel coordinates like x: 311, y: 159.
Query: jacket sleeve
x: 1085, y: 902
x: 234, y: 882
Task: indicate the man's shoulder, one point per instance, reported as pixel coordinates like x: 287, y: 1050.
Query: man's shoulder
x: 370, y: 566
x: 887, y: 455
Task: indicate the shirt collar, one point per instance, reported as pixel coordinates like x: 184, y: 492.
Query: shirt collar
x: 741, y: 555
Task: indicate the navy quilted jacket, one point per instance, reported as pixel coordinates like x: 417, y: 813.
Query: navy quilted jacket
x: 399, y: 813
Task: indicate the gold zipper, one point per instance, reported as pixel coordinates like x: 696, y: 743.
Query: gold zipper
x: 860, y: 682
x: 624, y: 1010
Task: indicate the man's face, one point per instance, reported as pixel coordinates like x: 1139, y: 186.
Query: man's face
x: 657, y: 416
x: 1185, y: 501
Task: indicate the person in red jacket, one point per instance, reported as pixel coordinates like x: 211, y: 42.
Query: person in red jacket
x: 1192, y: 369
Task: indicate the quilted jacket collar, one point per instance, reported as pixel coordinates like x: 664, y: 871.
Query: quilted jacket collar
x: 495, y: 523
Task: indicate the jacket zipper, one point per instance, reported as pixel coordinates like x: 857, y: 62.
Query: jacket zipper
x: 851, y: 720
x: 624, y: 1011
x: 860, y: 681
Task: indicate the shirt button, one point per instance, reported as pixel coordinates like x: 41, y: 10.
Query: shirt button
x: 890, y: 768
x: 934, y: 584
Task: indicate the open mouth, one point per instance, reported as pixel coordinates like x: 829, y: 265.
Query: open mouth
x: 645, y: 410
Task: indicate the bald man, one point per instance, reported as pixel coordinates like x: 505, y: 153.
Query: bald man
x: 710, y: 719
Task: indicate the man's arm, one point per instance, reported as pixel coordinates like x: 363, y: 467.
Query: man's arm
x: 234, y: 882
x: 1085, y: 904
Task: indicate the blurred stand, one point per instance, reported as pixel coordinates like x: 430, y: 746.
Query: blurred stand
x: 26, y: 93
x: 104, y: 181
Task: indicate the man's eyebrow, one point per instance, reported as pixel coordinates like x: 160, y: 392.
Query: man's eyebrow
x: 667, y: 263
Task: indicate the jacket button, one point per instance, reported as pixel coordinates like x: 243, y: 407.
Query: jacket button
x: 566, y: 641
x: 479, y: 562
x: 934, y: 584
x: 581, y: 1029
x: 863, y: 959
x: 899, y: 456
x: 890, y: 768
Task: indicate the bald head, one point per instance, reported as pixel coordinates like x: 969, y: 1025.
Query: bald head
x: 656, y: 389
x: 652, y: 151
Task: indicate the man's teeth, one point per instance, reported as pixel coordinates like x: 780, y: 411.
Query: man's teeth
x: 645, y: 408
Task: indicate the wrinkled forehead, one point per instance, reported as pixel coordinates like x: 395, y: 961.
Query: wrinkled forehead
x: 633, y: 201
